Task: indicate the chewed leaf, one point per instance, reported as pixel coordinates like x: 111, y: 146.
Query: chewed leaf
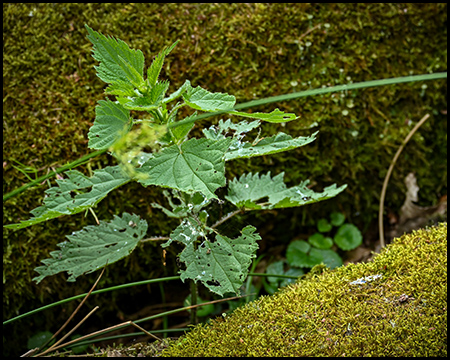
x: 271, y: 145
x: 196, y: 165
x: 201, y: 99
x: 275, y: 116
x: 68, y: 198
x: 250, y: 188
x: 223, y: 127
x: 221, y: 265
x: 118, y: 63
x: 111, y: 120
x: 94, y: 247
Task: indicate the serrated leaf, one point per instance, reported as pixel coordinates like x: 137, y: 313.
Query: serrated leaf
x: 219, y: 131
x: 250, y: 188
x: 64, y: 200
x: 118, y: 63
x: 222, y: 265
x: 186, y: 204
x: 197, y: 165
x: 271, y: 145
x: 187, y: 232
x: 94, y: 247
x: 154, y: 70
x: 111, y: 120
x: 179, y: 92
x: 121, y: 89
x: 180, y: 132
x: 151, y: 101
x: 275, y: 116
x: 201, y: 99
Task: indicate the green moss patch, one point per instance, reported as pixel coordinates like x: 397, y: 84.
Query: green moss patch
x: 394, y: 305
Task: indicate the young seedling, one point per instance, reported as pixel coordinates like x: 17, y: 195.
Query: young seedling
x: 157, y: 151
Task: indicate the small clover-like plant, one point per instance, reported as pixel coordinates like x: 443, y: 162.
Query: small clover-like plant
x: 319, y: 249
x: 157, y: 151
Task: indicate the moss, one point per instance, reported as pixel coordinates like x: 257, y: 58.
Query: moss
x: 401, y: 313
x: 248, y: 50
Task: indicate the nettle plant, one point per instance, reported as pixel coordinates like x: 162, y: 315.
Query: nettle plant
x: 157, y: 150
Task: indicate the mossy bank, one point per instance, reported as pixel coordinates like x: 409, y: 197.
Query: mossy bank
x: 403, y: 312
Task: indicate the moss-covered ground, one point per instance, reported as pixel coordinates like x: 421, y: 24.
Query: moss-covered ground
x: 401, y: 313
x: 251, y: 51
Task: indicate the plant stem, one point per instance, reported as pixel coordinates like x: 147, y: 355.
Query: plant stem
x: 50, y: 174
x: 388, y: 175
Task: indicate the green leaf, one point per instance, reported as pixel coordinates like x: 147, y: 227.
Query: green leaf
x: 119, y: 64
x: 271, y: 145
x: 187, y: 204
x: 68, y: 199
x: 337, y: 218
x: 201, y: 99
x: 323, y: 225
x: 219, y: 131
x: 276, y: 268
x: 275, y: 116
x: 180, y: 132
x: 348, y: 237
x: 187, y: 232
x: 197, y: 165
x: 297, y: 255
x: 201, y: 311
x: 179, y: 92
x: 320, y: 241
x: 111, y: 122
x: 246, y: 191
x: 151, y: 101
x: 265, y: 146
x: 38, y: 339
x: 94, y: 247
x: 154, y: 70
x: 329, y: 257
x: 291, y: 272
x: 221, y: 265
x: 121, y: 89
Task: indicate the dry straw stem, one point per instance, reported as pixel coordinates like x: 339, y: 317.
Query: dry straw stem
x: 388, y: 175
x: 51, y: 348
x: 119, y: 326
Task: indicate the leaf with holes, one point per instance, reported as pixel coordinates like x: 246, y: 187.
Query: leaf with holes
x: 221, y: 265
x: 94, y: 247
x: 243, y: 149
x: 197, y: 165
x: 250, y: 188
x: 266, y: 146
x: 68, y: 198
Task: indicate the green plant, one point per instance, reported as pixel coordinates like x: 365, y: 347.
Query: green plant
x: 159, y: 152
x: 156, y: 150
x: 321, y: 247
